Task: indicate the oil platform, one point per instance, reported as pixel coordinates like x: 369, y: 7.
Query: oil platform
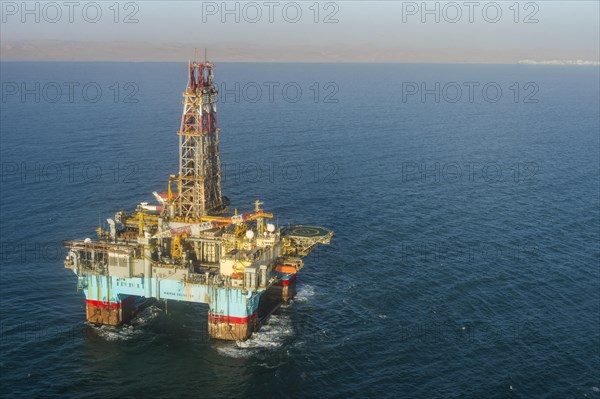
x: 188, y: 246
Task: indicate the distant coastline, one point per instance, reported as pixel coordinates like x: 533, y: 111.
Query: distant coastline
x: 123, y: 51
x: 559, y: 62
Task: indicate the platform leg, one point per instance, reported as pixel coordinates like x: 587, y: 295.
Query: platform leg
x: 110, y: 313
x: 232, y: 328
x: 288, y: 289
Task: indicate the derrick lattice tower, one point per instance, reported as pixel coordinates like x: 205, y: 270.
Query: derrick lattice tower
x: 199, y: 179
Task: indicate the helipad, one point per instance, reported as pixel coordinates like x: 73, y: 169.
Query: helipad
x: 307, y: 232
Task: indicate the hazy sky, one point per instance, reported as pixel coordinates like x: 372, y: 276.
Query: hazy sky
x: 479, y: 31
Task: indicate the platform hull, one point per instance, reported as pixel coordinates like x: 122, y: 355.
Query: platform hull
x: 234, y: 313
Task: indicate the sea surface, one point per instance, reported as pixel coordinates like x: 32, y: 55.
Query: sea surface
x: 464, y: 200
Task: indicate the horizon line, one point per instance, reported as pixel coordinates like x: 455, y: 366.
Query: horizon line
x: 520, y: 62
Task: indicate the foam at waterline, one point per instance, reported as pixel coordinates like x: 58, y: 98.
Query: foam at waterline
x: 272, y: 336
x: 304, y: 293
x: 115, y: 333
x: 129, y: 331
x: 147, y: 316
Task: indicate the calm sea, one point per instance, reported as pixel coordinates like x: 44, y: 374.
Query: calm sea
x: 464, y: 200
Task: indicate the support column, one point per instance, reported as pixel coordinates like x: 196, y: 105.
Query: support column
x: 110, y: 313
x: 288, y: 289
x: 232, y: 328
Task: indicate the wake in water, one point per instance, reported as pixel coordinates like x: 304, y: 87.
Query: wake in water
x: 115, y: 333
x: 305, y: 293
x: 133, y: 330
x: 273, y: 335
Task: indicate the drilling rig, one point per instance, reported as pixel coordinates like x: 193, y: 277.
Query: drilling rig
x: 188, y: 246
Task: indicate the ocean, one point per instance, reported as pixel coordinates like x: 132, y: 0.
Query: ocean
x: 464, y: 200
